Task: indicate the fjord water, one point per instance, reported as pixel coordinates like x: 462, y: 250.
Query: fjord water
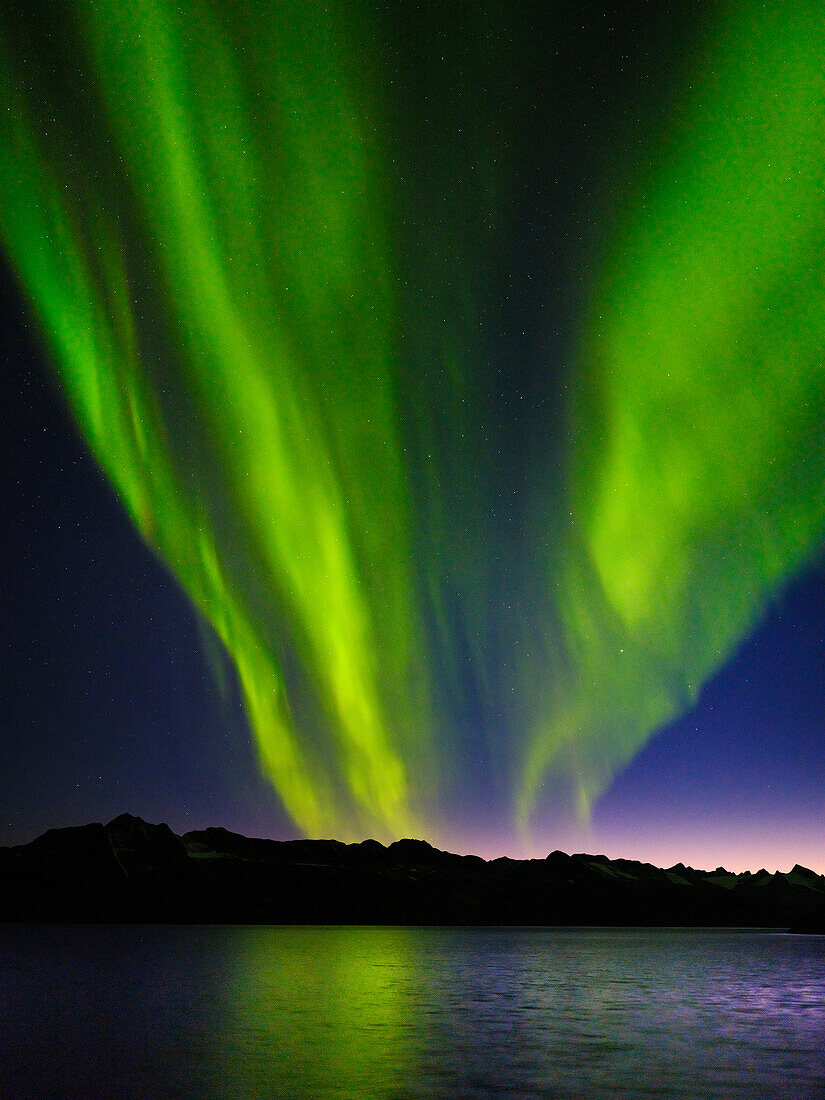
x: 254, y: 1012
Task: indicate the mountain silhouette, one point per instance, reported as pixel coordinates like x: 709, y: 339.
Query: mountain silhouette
x: 130, y: 870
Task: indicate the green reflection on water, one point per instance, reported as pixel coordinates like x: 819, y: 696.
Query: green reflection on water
x: 323, y: 1011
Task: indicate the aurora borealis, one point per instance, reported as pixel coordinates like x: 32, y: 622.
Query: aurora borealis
x: 464, y: 368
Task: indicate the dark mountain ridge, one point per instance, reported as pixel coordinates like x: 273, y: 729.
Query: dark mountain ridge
x: 130, y: 870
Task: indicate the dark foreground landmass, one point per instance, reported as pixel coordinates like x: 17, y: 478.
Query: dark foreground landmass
x: 129, y: 870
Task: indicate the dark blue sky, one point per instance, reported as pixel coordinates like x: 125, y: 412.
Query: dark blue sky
x: 109, y: 700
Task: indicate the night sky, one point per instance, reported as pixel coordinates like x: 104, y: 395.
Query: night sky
x: 412, y: 421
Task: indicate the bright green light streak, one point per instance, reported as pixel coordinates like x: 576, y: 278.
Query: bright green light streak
x: 250, y: 425
x: 697, y: 486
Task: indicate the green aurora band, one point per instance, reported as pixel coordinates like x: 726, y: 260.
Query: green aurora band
x: 264, y: 290
x: 697, y: 487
